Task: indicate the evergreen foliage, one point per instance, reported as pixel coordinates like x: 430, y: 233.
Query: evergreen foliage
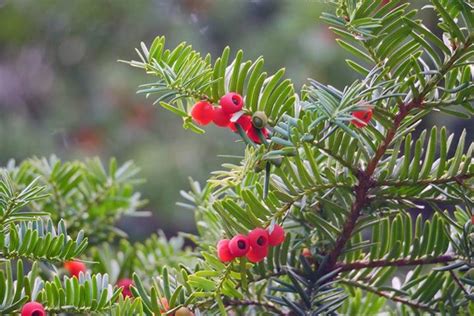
x: 349, y: 197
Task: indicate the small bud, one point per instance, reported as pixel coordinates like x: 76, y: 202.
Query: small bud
x: 259, y: 119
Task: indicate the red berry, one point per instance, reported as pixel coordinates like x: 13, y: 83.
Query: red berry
x: 245, y: 121
x: 75, y: 267
x: 277, y: 236
x: 306, y: 253
x: 239, y: 245
x: 223, y: 251
x: 258, y: 238
x: 365, y: 116
x: 252, y: 133
x: 221, y: 118
x: 33, y: 309
x: 257, y: 254
x: 472, y: 219
x: 125, y: 285
x: 231, y: 102
x: 164, y: 304
x: 202, y: 112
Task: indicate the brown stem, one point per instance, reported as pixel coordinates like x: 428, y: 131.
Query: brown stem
x: 392, y: 297
x: 357, y: 265
x: 459, y: 179
x: 365, y: 177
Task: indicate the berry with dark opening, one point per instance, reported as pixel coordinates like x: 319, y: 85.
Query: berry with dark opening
x: 75, y: 267
x: 259, y: 119
x: 232, y: 102
x: 245, y: 121
x: 223, y: 251
x: 364, y: 116
x: 277, y: 236
x: 252, y: 133
x: 257, y: 254
x: 221, y: 118
x: 239, y: 245
x: 258, y: 238
x: 202, y: 112
x: 125, y: 284
x: 33, y: 309
x: 183, y: 311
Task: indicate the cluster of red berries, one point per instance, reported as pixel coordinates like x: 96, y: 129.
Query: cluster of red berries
x: 363, y: 118
x: 254, y: 246
x: 204, y: 113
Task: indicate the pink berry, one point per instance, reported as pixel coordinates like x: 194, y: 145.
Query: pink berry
x: 239, y: 245
x: 258, y: 238
x: 257, y: 254
x: 223, y: 251
x: 125, y: 285
x: 202, y: 112
x: 252, y: 133
x: 245, y: 121
x: 33, y: 309
x: 75, y: 267
x: 277, y: 236
x: 231, y: 102
x: 221, y: 118
x: 365, y: 116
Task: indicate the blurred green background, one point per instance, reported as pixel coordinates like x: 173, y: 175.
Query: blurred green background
x: 62, y: 90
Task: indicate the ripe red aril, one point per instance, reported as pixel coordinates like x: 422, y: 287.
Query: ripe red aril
x: 245, y: 121
x: 75, y: 267
x: 239, y: 245
x: 223, y: 251
x: 258, y: 238
x: 277, y: 236
x: 231, y: 102
x: 252, y: 133
x: 364, y: 117
x: 221, y: 118
x: 202, y: 112
x: 33, y: 309
x: 306, y: 253
x: 125, y: 285
x: 164, y: 304
x: 257, y: 254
